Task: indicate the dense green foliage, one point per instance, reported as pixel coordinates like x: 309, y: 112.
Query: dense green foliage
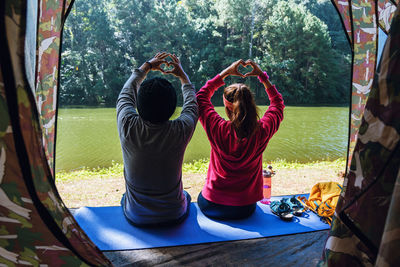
x: 300, y: 43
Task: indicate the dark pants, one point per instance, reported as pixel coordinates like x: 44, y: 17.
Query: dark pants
x: 224, y: 212
x: 162, y: 224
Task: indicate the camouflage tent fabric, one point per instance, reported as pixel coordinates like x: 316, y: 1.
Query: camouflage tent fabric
x: 50, y: 24
x: 36, y: 228
x: 361, y: 19
x: 364, y: 46
x: 386, y: 10
x: 365, y: 230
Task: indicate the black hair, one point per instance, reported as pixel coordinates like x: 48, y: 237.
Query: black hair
x: 156, y: 101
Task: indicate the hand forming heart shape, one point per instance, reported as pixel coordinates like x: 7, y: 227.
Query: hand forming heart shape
x: 167, y: 66
x: 245, y: 69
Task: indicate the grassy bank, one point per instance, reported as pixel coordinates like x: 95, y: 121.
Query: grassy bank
x: 195, y: 167
x: 104, y: 186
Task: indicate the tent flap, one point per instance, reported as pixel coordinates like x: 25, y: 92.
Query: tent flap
x: 50, y: 24
x: 36, y: 227
x: 366, y: 225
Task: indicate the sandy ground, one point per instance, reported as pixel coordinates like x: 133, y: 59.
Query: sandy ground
x: 96, y: 192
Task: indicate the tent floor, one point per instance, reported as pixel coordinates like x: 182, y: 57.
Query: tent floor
x: 292, y: 250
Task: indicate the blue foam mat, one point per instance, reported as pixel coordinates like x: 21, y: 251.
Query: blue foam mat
x: 109, y: 230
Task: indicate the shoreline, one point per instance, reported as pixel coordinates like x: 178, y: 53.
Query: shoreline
x: 194, y: 167
x: 105, y: 186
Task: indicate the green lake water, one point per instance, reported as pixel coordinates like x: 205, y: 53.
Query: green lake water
x: 89, y: 137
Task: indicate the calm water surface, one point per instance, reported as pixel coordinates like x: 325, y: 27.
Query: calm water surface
x: 89, y: 137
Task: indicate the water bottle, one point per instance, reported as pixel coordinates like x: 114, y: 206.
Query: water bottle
x: 267, y: 174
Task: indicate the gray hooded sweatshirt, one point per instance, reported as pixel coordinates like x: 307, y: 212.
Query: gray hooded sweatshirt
x: 153, y: 156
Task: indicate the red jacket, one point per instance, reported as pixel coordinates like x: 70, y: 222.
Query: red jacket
x: 234, y: 175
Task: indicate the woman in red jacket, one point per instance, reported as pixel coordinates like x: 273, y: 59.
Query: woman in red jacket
x: 234, y: 179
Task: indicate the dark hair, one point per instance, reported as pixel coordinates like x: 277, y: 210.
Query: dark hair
x: 156, y: 100
x: 244, y: 116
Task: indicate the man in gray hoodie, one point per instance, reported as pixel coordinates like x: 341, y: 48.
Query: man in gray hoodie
x: 153, y: 146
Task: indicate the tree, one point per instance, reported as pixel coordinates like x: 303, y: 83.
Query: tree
x: 90, y: 73
x: 297, y: 48
x: 292, y: 40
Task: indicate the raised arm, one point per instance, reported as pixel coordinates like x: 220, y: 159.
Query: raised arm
x: 208, y: 117
x: 127, y: 98
x: 190, y: 110
x: 274, y: 114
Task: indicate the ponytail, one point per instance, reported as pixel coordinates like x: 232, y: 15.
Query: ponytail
x: 243, y: 115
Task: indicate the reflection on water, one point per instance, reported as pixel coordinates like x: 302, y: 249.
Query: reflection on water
x: 89, y: 137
